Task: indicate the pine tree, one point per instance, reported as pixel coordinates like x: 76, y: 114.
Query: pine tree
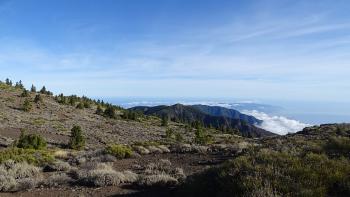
x: 110, y: 112
x: 99, y: 110
x: 43, y: 90
x: 77, y: 139
x: 80, y: 105
x: 165, y: 120
x: 38, y: 98
x: 8, y: 82
x: 27, y: 105
x: 33, y: 88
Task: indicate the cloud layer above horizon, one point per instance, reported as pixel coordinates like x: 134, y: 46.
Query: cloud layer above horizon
x: 256, y: 49
x: 277, y: 124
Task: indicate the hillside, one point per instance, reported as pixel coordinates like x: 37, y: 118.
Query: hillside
x: 220, y: 118
x: 56, y: 145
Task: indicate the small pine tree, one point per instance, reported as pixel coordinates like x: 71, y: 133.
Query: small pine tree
x: 110, y: 112
x: 77, y: 139
x: 99, y: 110
x: 38, y: 98
x: 80, y: 106
x: 8, y: 82
x: 19, y: 85
x: 43, y: 90
x: 33, y: 88
x: 27, y: 105
x: 165, y: 120
x: 87, y: 104
x: 25, y: 93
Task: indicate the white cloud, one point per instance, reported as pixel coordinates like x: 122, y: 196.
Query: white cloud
x: 277, y: 124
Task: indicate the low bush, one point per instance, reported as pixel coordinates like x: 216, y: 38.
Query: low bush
x: 274, y: 173
x: 119, y: 151
x: 31, y: 141
x: 37, y: 157
x: 103, y: 174
x: 161, y: 174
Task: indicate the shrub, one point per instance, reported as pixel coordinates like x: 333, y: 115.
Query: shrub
x: 38, y: 98
x: 31, y: 141
x: 161, y: 174
x: 165, y: 120
x: 58, y: 166
x: 25, y: 93
x: 276, y: 173
x: 27, y: 105
x: 110, y: 112
x: 57, y: 179
x: 201, y: 137
x: 102, y: 174
x: 119, y: 151
x: 31, y: 156
x: 80, y: 106
x: 169, y: 133
x: 338, y: 146
x: 99, y: 110
x: 18, y: 176
x: 77, y: 139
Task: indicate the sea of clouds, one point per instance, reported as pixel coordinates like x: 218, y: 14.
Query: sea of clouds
x: 277, y: 124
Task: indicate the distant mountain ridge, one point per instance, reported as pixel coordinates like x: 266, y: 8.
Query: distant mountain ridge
x: 229, y: 113
x: 217, y: 117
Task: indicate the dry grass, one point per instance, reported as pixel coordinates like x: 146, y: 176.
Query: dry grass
x: 161, y: 174
x: 103, y: 174
x: 18, y: 176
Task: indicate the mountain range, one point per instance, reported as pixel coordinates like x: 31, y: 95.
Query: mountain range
x: 228, y: 120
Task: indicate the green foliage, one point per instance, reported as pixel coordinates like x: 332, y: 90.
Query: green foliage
x: 201, y: 137
x: 179, y: 137
x: 33, y: 88
x: 338, y: 146
x: 31, y: 141
x: 131, y: 115
x: 38, y: 98
x: 44, y: 91
x: 110, y: 112
x: 87, y: 104
x: 80, y: 106
x: 25, y: 93
x: 19, y: 85
x: 27, y: 105
x: 99, y: 110
x: 119, y: 151
x: 8, y: 82
x: 169, y: 133
x: 165, y: 121
x: 38, y: 157
x: 77, y: 139
x: 272, y: 173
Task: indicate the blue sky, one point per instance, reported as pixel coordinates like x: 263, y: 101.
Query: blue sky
x: 268, y: 49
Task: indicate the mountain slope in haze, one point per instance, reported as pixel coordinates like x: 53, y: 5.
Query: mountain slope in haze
x: 229, y: 113
x: 190, y: 114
